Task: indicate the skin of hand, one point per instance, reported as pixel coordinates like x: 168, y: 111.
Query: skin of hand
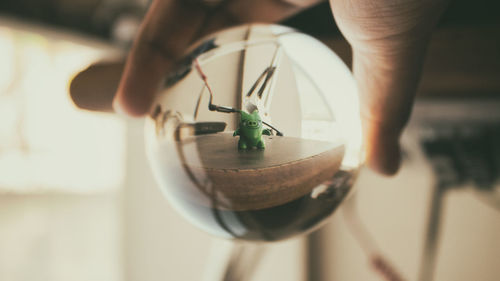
x: 388, y: 39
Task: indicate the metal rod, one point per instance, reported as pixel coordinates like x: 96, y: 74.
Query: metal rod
x: 428, y: 261
x: 243, y: 262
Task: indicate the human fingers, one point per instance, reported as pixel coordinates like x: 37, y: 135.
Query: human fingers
x: 93, y: 88
x: 386, y: 91
x: 388, y: 39
x: 151, y: 55
x: 168, y: 29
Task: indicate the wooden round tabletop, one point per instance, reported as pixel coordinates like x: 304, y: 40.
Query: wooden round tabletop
x: 252, y: 179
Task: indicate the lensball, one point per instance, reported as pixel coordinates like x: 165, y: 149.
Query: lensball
x: 257, y: 134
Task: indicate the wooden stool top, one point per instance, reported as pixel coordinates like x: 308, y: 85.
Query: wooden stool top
x: 253, y: 179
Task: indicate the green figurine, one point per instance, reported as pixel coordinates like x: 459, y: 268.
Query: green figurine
x: 250, y: 131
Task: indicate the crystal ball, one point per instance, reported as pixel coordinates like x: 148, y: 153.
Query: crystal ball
x: 256, y: 135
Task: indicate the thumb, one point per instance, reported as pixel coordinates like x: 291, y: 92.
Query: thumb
x: 389, y: 39
x: 387, y: 85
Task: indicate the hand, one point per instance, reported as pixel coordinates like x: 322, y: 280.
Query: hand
x: 388, y: 39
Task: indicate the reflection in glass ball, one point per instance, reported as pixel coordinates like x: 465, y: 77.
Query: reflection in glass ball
x: 257, y: 134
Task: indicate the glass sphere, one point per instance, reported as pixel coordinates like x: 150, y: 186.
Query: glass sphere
x: 257, y: 134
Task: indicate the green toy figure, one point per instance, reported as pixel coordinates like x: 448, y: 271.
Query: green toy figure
x: 250, y: 131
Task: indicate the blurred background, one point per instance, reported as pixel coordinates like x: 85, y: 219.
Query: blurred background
x: 78, y: 202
